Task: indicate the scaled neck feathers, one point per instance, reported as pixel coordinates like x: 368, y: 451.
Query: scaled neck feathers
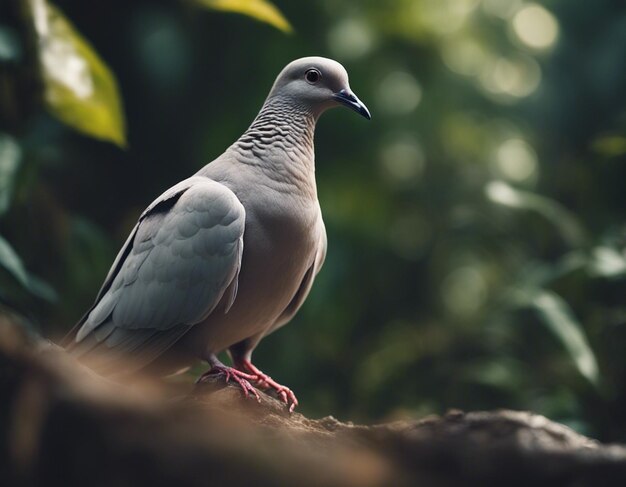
x: 280, y: 139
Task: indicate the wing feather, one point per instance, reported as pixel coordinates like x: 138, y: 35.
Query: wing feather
x: 181, y: 259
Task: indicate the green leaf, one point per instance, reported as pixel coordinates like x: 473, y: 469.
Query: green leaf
x: 610, y: 145
x: 567, y: 225
x: 560, y: 319
x: 79, y: 89
x: 42, y: 289
x: 12, y: 263
x: 607, y: 262
x: 261, y: 10
x: 10, y: 156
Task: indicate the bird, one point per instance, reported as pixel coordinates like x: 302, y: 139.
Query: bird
x: 227, y: 256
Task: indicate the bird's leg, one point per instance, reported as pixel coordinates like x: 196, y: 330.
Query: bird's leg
x: 229, y: 373
x: 264, y: 381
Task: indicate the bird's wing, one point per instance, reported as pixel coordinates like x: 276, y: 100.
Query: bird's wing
x: 181, y: 260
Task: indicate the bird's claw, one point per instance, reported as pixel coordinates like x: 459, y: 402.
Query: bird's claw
x: 265, y: 382
x: 285, y: 394
x: 241, y: 378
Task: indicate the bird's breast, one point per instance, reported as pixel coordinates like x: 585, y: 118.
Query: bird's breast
x: 280, y: 242
x: 281, y: 239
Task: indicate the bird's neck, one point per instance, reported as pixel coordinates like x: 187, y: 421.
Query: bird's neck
x: 279, y: 142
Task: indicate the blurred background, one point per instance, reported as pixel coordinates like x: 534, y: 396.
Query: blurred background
x: 476, y: 225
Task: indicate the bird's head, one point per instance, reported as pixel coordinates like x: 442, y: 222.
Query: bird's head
x: 317, y: 83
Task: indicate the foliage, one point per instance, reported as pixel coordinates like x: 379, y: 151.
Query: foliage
x: 476, y: 225
x: 261, y: 10
x: 79, y: 89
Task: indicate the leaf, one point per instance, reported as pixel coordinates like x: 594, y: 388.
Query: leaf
x: 12, y: 263
x: 261, y: 10
x: 537, y: 275
x: 610, y: 145
x: 607, y: 262
x: 42, y: 289
x: 79, y: 89
x: 567, y: 225
x: 10, y: 47
x: 10, y: 156
x: 559, y: 318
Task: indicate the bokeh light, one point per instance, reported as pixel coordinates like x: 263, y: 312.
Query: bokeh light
x: 350, y: 39
x: 501, y: 8
x: 516, y: 77
x: 446, y: 16
x: 465, y: 56
x: 398, y: 93
x: 535, y: 26
x: 502, y: 193
x: 464, y: 290
x: 516, y: 160
x: 402, y: 159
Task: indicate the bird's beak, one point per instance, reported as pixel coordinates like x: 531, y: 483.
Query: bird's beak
x: 349, y: 99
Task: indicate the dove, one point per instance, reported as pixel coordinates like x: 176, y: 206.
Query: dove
x: 224, y: 258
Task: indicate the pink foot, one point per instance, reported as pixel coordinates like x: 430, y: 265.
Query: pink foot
x: 241, y: 378
x: 264, y: 381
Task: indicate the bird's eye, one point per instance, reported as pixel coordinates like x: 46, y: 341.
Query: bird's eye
x: 312, y: 76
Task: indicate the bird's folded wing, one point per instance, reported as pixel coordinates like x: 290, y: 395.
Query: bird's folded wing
x: 180, y: 261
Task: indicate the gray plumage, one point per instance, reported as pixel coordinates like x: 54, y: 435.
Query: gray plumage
x: 228, y: 255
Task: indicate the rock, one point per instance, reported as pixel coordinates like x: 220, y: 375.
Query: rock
x: 61, y: 424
